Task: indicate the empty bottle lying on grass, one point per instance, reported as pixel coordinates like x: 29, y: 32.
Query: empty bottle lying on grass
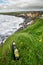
x: 15, y: 51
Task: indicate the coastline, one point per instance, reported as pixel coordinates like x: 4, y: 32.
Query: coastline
x: 21, y: 27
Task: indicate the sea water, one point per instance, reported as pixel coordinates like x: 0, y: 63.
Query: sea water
x: 9, y: 25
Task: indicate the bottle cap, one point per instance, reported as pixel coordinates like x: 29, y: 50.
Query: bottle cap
x: 13, y: 43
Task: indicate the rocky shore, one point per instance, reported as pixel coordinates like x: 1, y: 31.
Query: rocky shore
x: 24, y: 22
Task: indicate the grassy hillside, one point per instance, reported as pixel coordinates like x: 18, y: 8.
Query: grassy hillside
x: 29, y: 43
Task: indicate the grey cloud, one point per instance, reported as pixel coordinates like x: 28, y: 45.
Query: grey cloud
x: 20, y: 5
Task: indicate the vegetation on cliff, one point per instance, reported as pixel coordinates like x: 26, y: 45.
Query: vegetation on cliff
x: 29, y: 43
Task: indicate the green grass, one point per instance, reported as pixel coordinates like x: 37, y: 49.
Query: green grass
x: 29, y: 43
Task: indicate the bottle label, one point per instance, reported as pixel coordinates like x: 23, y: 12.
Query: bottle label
x: 16, y: 53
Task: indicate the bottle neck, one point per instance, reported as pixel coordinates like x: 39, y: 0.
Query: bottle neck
x: 14, y: 46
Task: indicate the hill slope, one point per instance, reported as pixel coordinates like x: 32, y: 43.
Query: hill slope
x: 29, y: 43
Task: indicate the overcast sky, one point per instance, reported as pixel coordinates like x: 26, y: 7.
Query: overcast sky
x: 14, y: 5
